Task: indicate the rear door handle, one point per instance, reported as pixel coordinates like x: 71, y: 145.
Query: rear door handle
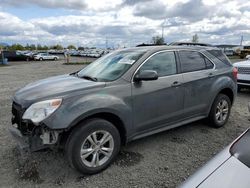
x: 175, y: 84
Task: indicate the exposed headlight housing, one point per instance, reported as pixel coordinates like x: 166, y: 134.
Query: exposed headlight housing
x: 41, y: 110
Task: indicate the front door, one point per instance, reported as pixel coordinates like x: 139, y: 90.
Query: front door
x: 160, y: 101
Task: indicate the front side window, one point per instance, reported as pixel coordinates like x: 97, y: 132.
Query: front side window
x: 194, y: 61
x: 163, y: 63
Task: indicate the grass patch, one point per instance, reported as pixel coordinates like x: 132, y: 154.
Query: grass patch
x: 234, y: 57
x: 77, y: 63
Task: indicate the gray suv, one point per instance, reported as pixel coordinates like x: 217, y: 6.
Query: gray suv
x: 123, y: 96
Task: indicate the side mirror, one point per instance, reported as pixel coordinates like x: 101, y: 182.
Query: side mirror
x: 146, y: 75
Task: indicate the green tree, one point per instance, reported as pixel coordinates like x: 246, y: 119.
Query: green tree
x: 57, y: 47
x: 158, y: 40
x: 71, y: 47
x: 195, y: 38
x: 15, y: 47
x: 80, y: 48
x: 45, y: 47
x: 32, y: 47
x: 39, y: 47
x: 27, y: 47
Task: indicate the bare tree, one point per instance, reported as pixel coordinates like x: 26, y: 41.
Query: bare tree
x: 158, y: 40
x: 195, y: 38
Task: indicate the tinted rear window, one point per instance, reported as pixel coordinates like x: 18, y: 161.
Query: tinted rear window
x: 220, y: 55
x: 191, y: 61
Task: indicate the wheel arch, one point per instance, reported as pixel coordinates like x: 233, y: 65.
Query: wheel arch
x: 226, y: 91
x: 229, y: 92
x: 108, y: 116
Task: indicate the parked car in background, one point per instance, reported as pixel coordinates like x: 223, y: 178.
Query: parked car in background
x: 229, y: 169
x: 14, y: 56
x: 95, y: 54
x: 123, y: 96
x: 45, y: 56
x: 243, y: 73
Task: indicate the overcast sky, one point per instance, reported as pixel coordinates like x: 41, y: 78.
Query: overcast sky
x: 123, y: 22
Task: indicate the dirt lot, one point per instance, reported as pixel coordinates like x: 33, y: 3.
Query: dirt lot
x: 161, y: 160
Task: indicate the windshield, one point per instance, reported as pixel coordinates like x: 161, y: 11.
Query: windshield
x: 111, y: 66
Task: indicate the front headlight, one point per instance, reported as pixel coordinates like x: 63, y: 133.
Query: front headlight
x: 41, y: 110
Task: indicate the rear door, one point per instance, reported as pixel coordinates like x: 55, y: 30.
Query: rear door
x: 158, y: 102
x: 198, y: 75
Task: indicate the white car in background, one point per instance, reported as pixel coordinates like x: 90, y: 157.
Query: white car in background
x: 45, y: 56
x: 243, y: 73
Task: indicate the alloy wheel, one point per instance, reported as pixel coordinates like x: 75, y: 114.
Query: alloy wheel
x: 221, y: 112
x: 97, y: 148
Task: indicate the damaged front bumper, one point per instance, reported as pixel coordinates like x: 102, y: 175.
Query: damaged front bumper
x: 39, y: 139
x: 28, y: 136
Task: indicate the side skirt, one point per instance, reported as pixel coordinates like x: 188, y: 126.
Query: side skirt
x: 166, y: 127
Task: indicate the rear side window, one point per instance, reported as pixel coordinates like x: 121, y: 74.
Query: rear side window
x: 220, y: 55
x: 163, y: 63
x: 194, y: 61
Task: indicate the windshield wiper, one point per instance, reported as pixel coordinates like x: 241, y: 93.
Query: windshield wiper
x: 74, y: 73
x: 89, y: 78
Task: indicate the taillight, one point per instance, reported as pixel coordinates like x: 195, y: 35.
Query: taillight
x: 235, y: 73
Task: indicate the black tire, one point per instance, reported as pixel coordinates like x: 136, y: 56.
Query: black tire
x: 55, y: 59
x: 239, y: 88
x: 213, y: 121
x: 79, y: 135
x: 41, y: 59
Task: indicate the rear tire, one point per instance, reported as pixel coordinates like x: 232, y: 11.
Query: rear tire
x: 220, y: 111
x: 41, y: 59
x: 93, y: 146
x: 239, y: 88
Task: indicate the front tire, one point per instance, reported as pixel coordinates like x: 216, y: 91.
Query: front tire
x: 41, y: 59
x: 93, y: 146
x: 220, y: 111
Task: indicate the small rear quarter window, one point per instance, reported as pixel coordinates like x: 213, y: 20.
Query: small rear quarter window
x: 220, y: 55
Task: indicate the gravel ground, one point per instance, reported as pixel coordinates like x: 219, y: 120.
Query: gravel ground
x: 161, y: 160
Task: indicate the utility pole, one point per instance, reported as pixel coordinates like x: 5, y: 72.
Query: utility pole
x: 162, y: 28
x: 241, y: 40
x: 106, y: 42
x: 162, y: 32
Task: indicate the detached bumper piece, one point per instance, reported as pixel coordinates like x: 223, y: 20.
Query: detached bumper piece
x: 27, y: 143
x: 22, y: 141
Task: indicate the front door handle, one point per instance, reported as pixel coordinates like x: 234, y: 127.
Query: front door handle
x: 210, y: 75
x: 175, y: 84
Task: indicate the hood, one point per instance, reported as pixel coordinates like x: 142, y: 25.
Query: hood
x: 57, y: 86
x: 242, y: 64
